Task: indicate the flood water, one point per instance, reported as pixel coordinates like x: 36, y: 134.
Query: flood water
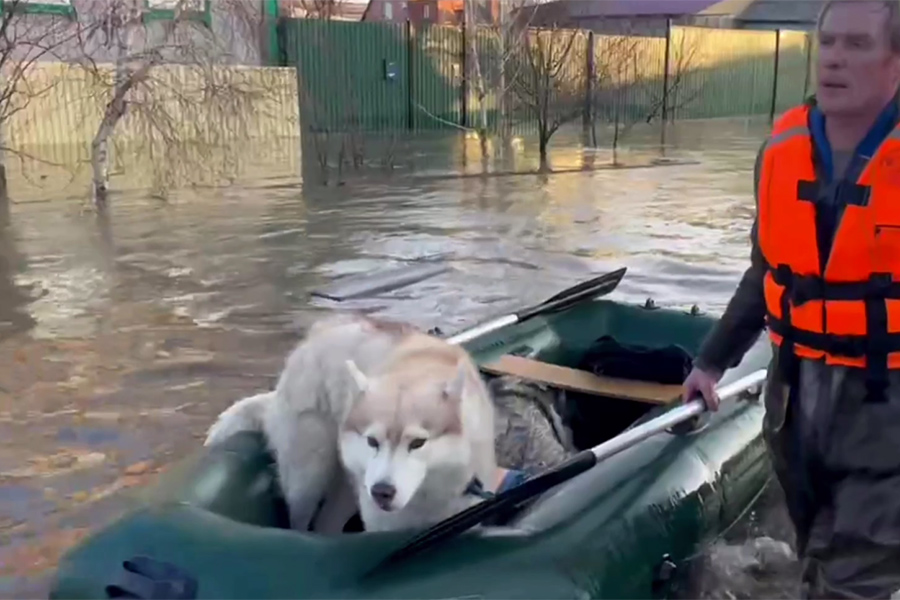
x: 123, y: 338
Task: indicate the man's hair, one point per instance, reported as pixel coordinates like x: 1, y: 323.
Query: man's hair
x: 892, y: 22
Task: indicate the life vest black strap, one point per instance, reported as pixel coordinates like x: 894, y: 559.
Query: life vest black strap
x: 787, y: 359
x: 850, y: 346
x: 878, y: 346
x: 804, y: 288
x: 874, y: 346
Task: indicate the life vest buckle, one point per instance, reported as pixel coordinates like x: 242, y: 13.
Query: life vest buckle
x: 806, y: 288
x: 879, y: 286
x: 783, y: 275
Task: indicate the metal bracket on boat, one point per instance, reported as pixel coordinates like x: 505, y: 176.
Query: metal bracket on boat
x: 150, y: 579
x: 747, y: 388
x: 525, y: 351
x: 751, y: 394
x: 691, y: 426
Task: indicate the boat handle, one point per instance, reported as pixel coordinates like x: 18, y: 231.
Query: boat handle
x: 150, y: 579
x: 675, y: 416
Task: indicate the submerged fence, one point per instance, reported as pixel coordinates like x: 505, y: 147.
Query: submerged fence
x: 184, y: 124
x: 394, y: 77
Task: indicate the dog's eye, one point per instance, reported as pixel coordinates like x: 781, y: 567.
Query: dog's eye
x: 373, y: 443
x: 416, y: 443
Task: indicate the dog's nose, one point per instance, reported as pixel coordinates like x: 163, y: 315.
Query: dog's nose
x: 383, y: 492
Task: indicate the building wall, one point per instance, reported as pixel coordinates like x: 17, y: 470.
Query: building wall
x: 423, y: 11
x: 644, y: 26
x: 395, y: 11
x: 766, y: 15
x: 731, y: 22
x: 226, y: 31
x: 435, y: 12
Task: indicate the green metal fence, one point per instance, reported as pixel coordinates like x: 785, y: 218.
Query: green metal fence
x: 392, y: 77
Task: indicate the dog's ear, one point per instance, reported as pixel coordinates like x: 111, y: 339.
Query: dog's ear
x: 457, y: 385
x: 359, y: 378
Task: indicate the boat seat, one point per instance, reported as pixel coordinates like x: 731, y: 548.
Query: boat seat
x: 582, y: 381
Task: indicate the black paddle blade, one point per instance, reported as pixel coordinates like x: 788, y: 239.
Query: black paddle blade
x: 465, y: 520
x: 586, y: 290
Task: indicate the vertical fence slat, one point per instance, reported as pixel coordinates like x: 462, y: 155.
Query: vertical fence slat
x: 372, y: 76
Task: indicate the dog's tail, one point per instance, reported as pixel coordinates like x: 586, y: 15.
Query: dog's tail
x: 243, y: 415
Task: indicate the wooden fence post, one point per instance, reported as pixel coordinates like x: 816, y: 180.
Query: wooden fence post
x: 464, y: 76
x: 665, y: 82
x: 775, y: 76
x: 809, y: 48
x: 410, y: 52
x: 590, y: 72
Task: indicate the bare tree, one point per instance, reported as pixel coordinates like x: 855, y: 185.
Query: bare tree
x: 179, y: 115
x: 627, y: 88
x: 618, y: 62
x: 314, y: 9
x: 493, y: 42
x: 680, y: 88
x: 26, y: 40
x: 549, y: 88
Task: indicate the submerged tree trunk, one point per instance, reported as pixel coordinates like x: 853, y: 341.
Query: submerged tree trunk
x: 480, y: 83
x: 4, y: 189
x: 615, y: 143
x: 543, y: 142
x: 503, y: 118
x: 115, y: 110
x: 483, y: 125
x: 483, y: 141
x: 4, y: 197
x: 125, y: 80
x: 100, y: 163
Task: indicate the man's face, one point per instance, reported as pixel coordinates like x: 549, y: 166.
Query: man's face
x: 857, y: 72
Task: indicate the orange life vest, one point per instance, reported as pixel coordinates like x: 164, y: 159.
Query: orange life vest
x: 850, y: 313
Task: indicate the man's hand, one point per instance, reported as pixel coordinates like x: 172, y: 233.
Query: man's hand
x: 704, y: 383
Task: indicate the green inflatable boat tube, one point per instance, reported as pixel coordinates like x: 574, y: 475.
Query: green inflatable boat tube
x: 214, y: 526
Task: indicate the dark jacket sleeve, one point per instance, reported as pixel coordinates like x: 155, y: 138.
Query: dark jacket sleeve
x: 744, y: 318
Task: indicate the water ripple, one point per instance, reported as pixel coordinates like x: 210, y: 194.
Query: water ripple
x: 122, y: 338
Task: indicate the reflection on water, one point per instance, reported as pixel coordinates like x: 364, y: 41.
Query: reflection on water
x: 121, y: 339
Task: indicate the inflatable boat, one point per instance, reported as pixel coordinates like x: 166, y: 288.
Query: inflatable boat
x: 620, y: 523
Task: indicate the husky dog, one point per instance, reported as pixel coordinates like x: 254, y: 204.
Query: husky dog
x: 405, y: 414
x: 419, y: 436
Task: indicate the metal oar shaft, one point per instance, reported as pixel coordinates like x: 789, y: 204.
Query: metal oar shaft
x: 584, y: 291
x: 673, y: 417
x: 581, y: 462
x: 483, y: 329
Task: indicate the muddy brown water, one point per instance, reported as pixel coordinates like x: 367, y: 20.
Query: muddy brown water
x: 121, y: 339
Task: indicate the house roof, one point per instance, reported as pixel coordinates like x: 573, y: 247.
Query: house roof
x: 762, y: 11
x: 343, y: 10
x: 630, y: 8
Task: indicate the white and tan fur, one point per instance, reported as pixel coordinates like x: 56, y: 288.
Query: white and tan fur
x: 423, y: 428
x: 352, y: 378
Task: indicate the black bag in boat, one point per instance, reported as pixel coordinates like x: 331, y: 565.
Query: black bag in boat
x: 667, y: 365
x: 593, y: 422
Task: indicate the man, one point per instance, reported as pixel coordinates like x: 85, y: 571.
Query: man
x: 825, y: 278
